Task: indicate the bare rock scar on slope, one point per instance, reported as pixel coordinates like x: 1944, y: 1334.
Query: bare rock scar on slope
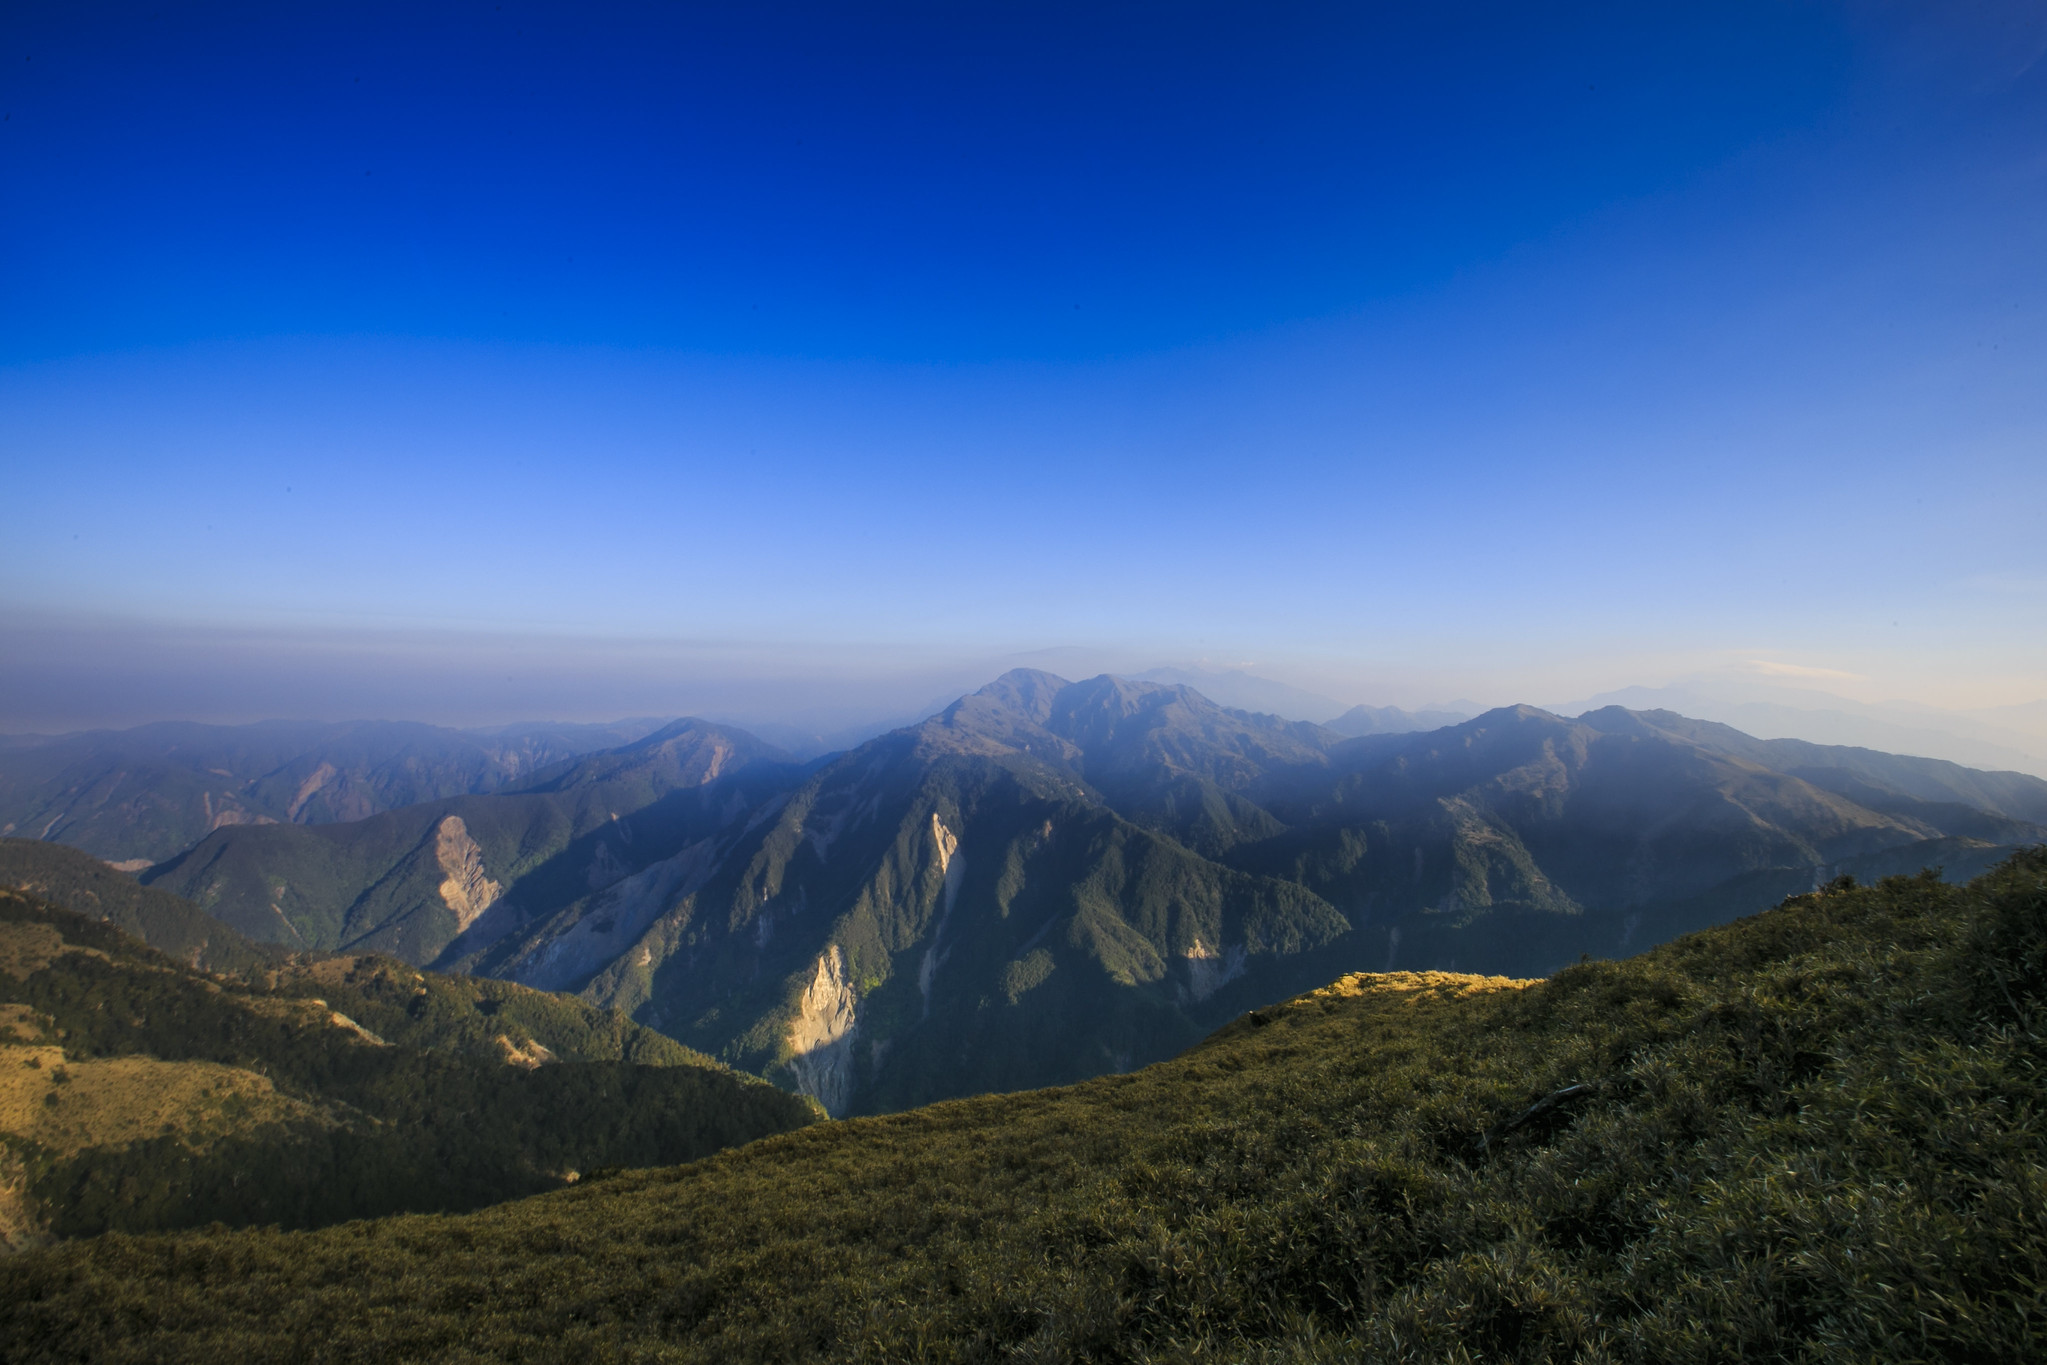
x: 468, y: 889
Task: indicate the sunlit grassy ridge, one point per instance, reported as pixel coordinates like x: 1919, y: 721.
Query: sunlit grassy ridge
x: 1814, y: 1134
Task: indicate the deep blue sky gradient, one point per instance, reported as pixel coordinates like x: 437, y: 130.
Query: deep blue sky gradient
x: 944, y: 182
x: 1404, y: 350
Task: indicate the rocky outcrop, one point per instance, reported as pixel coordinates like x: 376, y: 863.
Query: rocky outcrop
x: 310, y: 788
x: 530, y: 1057
x: 1208, y: 971
x: 821, y: 1036
x: 229, y: 812
x: 468, y: 889
x: 340, y: 1020
x: 612, y: 921
x: 951, y: 867
x: 606, y: 867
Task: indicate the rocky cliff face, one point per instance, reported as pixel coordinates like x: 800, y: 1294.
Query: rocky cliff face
x: 951, y: 870
x: 597, y: 932
x: 467, y: 889
x: 854, y: 937
x: 822, y: 1034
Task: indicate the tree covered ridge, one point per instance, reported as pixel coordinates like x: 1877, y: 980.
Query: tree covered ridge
x: 1813, y: 1133
x: 170, y: 924
x: 389, y: 1090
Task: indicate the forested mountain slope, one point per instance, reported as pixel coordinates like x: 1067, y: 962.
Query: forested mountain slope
x: 170, y: 924
x: 1807, y: 1135
x: 409, y: 881
x: 145, y: 794
x: 1050, y: 879
x: 137, y: 1092
x: 949, y: 908
x: 496, y: 1019
x: 1518, y: 840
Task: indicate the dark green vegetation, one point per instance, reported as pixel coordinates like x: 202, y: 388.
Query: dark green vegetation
x: 495, y: 1019
x: 1814, y: 1134
x: 1052, y: 880
x: 152, y: 792
x: 170, y: 924
x: 139, y: 1093
x: 395, y: 1001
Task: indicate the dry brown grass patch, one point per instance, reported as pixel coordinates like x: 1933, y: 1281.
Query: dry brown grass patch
x: 66, y: 1106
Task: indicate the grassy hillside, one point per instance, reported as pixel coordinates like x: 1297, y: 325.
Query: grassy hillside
x: 1813, y: 1134
x: 138, y: 1093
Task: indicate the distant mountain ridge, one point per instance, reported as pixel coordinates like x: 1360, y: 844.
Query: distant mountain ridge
x: 1051, y: 879
x: 411, y: 881
x: 145, y: 794
x: 2011, y: 738
x: 1391, y: 720
x: 1239, y: 690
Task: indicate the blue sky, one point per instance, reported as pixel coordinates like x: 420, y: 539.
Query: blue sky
x: 1407, y: 352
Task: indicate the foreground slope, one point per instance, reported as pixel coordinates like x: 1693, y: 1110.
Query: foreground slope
x: 138, y: 1093
x: 1813, y: 1134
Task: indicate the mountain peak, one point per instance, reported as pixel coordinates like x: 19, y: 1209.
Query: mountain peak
x: 1518, y: 714
x: 1392, y: 720
x: 1028, y: 690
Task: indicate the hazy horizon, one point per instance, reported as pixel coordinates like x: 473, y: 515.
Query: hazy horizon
x: 78, y: 681
x: 485, y: 364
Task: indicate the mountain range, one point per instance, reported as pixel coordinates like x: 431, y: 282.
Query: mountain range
x: 1391, y: 720
x: 1049, y: 880
x: 139, y: 796
x: 2009, y: 737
